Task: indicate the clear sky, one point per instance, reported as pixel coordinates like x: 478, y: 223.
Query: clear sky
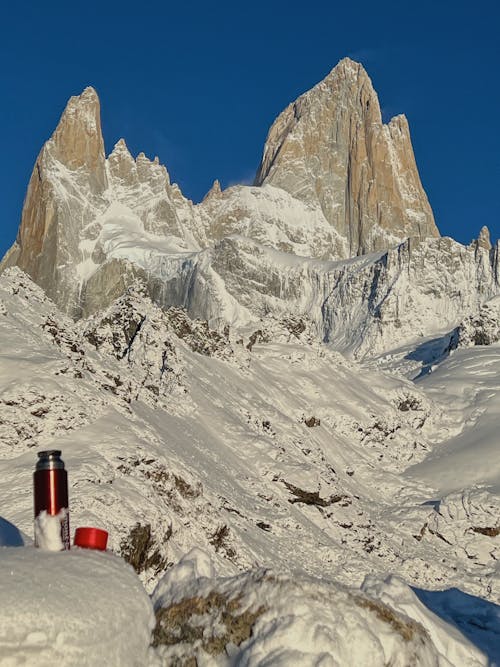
x: 199, y: 84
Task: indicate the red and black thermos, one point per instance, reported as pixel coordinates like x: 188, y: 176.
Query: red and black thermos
x: 50, y: 481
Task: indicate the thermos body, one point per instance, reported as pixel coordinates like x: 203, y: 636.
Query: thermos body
x: 50, y: 481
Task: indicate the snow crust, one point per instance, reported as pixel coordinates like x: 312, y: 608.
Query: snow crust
x: 75, y: 607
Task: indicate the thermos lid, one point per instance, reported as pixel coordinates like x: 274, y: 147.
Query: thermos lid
x: 91, y: 538
x: 50, y: 459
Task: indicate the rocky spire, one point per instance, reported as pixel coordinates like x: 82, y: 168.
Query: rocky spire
x: 214, y: 191
x: 77, y: 141
x: 330, y: 148
x: 121, y: 164
x: 483, y: 240
x: 47, y: 243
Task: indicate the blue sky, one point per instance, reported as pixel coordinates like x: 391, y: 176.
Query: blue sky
x: 199, y: 84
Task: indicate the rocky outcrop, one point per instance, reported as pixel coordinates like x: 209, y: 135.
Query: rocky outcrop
x: 144, y: 186
x: 330, y: 148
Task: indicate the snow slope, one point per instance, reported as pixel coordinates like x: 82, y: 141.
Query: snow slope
x: 468, y: 382
x: 265, y: 450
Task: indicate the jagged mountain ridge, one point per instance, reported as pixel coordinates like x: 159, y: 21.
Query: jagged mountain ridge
x: 92, y: 225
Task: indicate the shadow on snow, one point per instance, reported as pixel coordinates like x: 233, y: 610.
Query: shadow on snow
x: 475, y: 618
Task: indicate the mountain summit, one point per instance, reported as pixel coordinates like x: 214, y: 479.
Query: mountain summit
x: 64, y: 193
x: 330, y: 147
x: 335, y: 182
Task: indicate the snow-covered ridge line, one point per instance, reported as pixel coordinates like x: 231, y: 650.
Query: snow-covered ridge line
x: 199, y: 618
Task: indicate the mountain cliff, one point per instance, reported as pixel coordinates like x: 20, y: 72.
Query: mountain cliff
x: 330, y: 148
x: 334, y: 183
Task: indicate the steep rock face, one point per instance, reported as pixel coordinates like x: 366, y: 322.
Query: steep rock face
x: 63, y: 197
x: 77, y: 141
x: 363, y: 306
x: 77, y: 201
x: 331, y: 148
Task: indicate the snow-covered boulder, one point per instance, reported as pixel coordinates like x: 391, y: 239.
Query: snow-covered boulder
x: 266, y: 618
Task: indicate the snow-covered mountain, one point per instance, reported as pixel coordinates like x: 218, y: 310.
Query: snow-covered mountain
x: 299, y: 375
x: 91, y: 225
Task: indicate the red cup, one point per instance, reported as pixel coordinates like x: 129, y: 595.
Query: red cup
x: 91, y: 538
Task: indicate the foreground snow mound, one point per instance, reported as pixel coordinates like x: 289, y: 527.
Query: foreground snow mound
x: 71, y: 608
x: 264, y: 618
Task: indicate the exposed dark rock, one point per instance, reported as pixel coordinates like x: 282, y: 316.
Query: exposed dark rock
x: 138, y: 549
x: 489, y: 531
x: 311, y: 497
x: 219, y: 540
x: 312, y: 421
x: 198, y: 335
x: 180, y: 623
x: 264, y: 526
